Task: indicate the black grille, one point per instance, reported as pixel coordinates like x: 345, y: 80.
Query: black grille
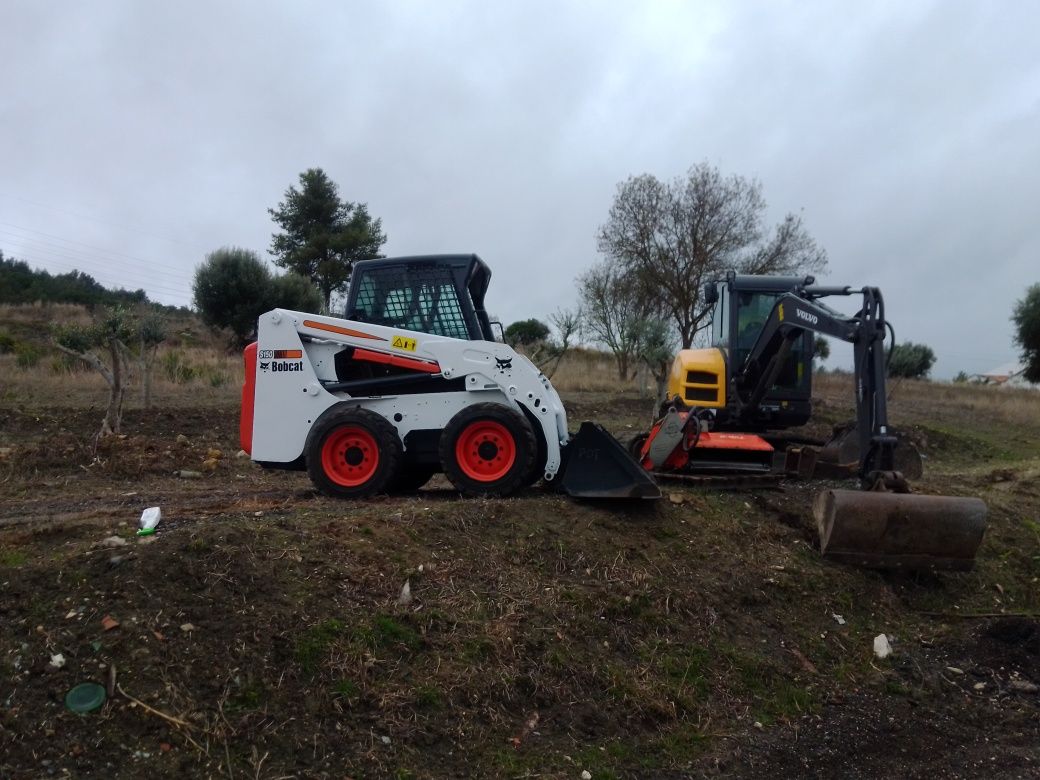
x: 701, y: 394
x: 701, y: 378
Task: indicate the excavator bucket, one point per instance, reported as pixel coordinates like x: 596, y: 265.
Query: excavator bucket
x: 596, y: 465
x: 899, y: 530
x: 843, y: 449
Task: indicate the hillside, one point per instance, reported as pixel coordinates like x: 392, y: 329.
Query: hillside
x: 261, y: 633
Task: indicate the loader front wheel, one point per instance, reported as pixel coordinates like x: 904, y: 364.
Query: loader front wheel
x: 488, y: 449
x: 352, y: 453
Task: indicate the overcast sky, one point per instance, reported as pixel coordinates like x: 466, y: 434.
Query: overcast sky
x: 137, y: 137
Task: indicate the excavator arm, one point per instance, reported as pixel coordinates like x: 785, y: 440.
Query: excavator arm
x: 799, y: 311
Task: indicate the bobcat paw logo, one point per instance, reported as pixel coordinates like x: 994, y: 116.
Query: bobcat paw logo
x: 264, y: 366
x: 504, y: 364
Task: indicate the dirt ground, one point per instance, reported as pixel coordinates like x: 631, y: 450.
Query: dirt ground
x: 261, y: 632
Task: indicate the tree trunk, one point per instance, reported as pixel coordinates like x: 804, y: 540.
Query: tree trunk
x: 116, y: 390
x: 146, y: 382
x: 147, y: 357
x: 661, y: 380
x: 622, y: 366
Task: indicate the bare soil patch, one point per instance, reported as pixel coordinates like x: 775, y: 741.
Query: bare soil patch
x: 263, y: 633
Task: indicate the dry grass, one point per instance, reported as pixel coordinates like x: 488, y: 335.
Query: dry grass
x: 196, y: 376
x: 36, y: 313
x: 965, y: 404
x: 583, y: 370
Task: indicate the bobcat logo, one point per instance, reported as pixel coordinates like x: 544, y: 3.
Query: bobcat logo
x: 504, y: 364
x: 264, y: 366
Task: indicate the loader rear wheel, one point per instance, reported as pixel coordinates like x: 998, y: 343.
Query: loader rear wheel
x: 488, y: 449
x: 352, y: 453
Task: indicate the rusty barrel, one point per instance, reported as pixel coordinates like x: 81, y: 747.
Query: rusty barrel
x: 899, y: 530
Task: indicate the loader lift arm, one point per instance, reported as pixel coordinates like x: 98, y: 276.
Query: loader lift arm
x: 799, y: 311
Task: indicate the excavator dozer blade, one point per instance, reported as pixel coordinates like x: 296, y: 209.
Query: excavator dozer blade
x: 596, y: 465
x: 899, y: 530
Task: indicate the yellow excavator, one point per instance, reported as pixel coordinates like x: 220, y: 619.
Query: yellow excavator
x: 727, y: 401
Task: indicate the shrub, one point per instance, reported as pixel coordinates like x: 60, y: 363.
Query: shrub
x: 27, y: 355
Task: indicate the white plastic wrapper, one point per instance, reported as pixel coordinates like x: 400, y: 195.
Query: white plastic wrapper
x: 149, y: 519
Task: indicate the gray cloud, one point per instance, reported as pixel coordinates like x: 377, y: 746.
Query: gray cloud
x: 134, y: 138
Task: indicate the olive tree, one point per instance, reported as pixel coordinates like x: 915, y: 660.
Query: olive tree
x: 104, y: 345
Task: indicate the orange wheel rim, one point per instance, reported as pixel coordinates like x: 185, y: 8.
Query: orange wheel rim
x: 350, y: 456
x: 485, y: 450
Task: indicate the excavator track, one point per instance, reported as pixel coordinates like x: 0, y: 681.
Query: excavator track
x: 723, y: 481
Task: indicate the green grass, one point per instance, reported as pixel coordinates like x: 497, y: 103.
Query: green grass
x: 250, y: 697
x: 687, y: 668
x: 13, y: 558
x: 346, y: 688
x: 386, y: 632
x: 428, y: 697
x: 313, y: 645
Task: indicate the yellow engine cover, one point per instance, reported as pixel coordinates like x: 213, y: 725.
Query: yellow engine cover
x: 698, y: 377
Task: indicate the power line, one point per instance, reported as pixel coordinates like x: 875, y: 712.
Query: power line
x: 150, y: 288
x: 96, y: 219
x: 91, y: 265
x: 36, y: 245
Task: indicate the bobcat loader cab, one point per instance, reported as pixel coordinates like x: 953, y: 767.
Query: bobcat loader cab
x: 412, y: 383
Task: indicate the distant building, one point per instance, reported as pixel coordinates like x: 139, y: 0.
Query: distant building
x: 1007, y: 375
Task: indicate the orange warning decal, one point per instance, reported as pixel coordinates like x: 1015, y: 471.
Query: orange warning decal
x: 342, y: 331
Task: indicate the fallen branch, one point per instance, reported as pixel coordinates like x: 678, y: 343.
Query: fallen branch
x: 163, y: 715
x: 168, y: 718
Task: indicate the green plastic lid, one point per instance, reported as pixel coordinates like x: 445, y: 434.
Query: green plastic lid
x: 85, y: 697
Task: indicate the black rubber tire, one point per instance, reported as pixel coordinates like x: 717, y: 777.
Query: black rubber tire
x: 411, y: 476
x: 382, y: 432
x: 538, y: 463
x: 523, y: 441
x: 635, y: 445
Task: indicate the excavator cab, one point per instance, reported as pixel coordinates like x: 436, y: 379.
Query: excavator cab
x: 742, y: 305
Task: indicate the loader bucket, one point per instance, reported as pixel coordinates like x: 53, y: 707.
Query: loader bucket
x: 899, y: 530
x: 596, y: 465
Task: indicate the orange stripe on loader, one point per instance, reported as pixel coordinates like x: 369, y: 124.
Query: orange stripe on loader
x: 342, y: 331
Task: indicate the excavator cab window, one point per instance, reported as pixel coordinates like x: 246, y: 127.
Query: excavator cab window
x: 720, y: 318
x: 753, y: 310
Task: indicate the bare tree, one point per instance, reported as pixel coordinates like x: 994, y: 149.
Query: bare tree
x: 547, y: 353
x: 675, y: 236
x: 151, y: 332
x: 613, y: 311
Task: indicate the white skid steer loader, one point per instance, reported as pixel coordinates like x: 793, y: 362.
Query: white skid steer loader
x: 412, y: 382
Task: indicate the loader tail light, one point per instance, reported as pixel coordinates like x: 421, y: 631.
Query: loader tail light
x: 245, y: 422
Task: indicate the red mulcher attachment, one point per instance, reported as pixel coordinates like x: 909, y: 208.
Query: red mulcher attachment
x: 677, y: 443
